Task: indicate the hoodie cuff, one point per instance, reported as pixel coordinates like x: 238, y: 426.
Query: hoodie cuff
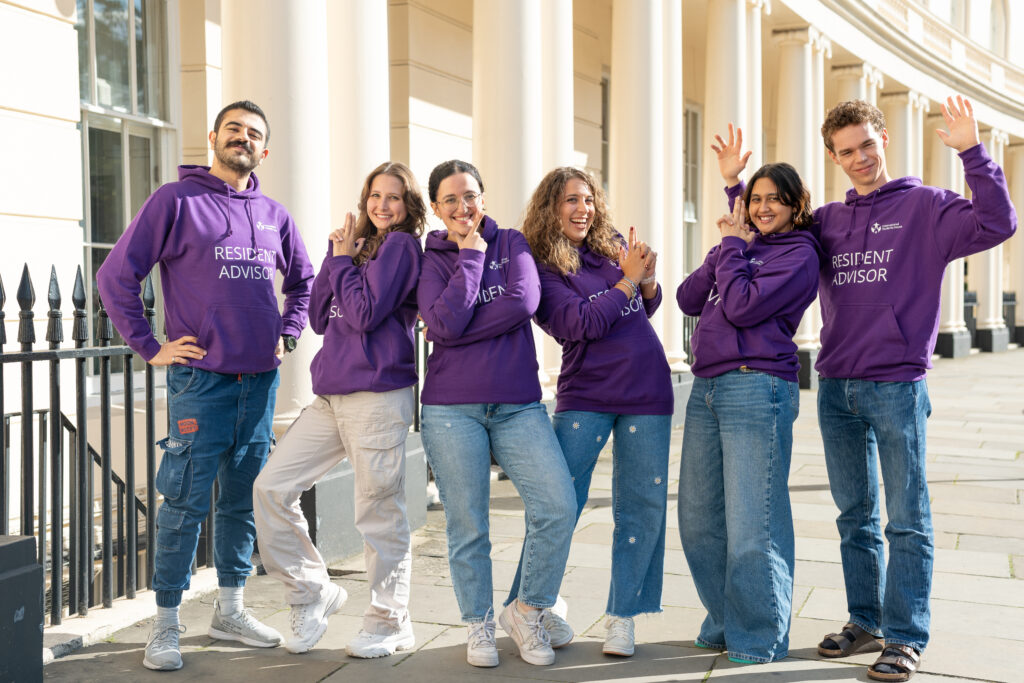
x: 150, y: 348
x: 736, y: 243
x: 975, y: 154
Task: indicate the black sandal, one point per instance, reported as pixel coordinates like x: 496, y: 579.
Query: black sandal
x: 903, y: 658
x: 851, y: 640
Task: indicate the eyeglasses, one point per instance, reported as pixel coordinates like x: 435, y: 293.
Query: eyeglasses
x: 451, y: 201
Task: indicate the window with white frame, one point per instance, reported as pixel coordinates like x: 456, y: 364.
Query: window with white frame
x: 691, y: 198
x: 122, y: 58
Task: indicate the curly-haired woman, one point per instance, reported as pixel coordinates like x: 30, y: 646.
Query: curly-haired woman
x: 364, y: 304
x: 598, y: 292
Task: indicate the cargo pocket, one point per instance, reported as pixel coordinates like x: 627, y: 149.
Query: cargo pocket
x: 381, y: 470
x: 168, y: 527
x: 174, y: 478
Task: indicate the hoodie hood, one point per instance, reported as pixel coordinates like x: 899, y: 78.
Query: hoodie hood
x: 202, y: 175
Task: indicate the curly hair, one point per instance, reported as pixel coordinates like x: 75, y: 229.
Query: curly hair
x: 415, y: 210
x: 850, y: 113
x: 542, y: 226
x: 790, y: 188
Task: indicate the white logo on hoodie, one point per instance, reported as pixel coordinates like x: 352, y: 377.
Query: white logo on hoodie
x: 263, y: 226
x: 877, y: 228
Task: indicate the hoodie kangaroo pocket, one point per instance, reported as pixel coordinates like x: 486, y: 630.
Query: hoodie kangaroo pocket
x: 240, y: 338
x: 714, y: 342
x: 859, y: 334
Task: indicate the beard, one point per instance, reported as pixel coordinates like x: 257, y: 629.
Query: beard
x: 239, y: 164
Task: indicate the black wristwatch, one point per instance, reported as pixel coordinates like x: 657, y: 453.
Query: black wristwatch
x: 290, y: 342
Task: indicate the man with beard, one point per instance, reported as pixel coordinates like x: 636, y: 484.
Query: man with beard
x: 219, y: 242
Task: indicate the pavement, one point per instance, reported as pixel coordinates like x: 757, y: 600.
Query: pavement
x: 976, y: 479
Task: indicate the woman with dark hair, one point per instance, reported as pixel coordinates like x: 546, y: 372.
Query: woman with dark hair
x: 597, y: 293
x: 477, y: 294
x: 735, y: 520
x: 364, y: 304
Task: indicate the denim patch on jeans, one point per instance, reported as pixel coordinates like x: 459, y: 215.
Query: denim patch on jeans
x: 735, y: 519
x: 862, y: 421
x: 220, y: 428
x: 459, y: 441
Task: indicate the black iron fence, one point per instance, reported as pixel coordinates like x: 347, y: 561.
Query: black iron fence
x: 90, y: 544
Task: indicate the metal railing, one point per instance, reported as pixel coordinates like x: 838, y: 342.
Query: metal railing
x: 94, y: 570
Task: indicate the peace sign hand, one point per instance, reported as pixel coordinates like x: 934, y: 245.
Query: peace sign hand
x: 731, y: 161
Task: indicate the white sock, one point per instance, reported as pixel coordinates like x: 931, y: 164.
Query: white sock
x: 231, y: 599
x: 166, y: 616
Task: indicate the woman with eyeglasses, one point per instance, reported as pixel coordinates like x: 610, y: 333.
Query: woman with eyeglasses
x: 598, y: 292
x: 477, y: 293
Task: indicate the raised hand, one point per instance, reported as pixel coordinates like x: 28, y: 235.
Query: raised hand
x: 735, y: 224
x: 472, y: 240
x: 963, y: 127
x: 343, y: 239
x: 731, y: 160
x: 631, y: 258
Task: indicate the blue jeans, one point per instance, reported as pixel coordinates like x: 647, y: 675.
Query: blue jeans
x: 735, y: 519
x: 860, y: 419
x: 639, y: 498
x: 220, y: 427
x: 459, y: 440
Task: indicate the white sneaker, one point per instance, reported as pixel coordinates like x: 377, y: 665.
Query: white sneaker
x: 243, y: 627
x: 527, y: 632
x: 385, y: 642
x: 309, y: 622
x: 481, y: 650
x: 559, y: 631
x: 162, y: 651
x: 619, y: 640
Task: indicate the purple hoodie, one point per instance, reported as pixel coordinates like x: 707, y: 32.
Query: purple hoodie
x: 218, y: 251
x: 366, y: 314
x: 612, y: 360
x: 477, y: 309
x: 750, y: 299
x: 885, y: 255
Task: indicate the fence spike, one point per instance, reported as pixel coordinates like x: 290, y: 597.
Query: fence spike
x: 80, y: 327
x: 26, y: 300
x: 55, y: 326
x: 104, y: 328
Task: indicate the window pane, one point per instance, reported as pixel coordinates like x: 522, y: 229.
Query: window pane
x: 140, y: 179
x: 110, y: 18
x: 106, y: 186
x: 84, y: 90
x: 149, y: 50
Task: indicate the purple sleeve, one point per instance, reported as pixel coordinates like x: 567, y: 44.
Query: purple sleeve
x: 128, y: 263
x: 651, y: 305
x: 320, y: 298
x: 749, y: 299
x: 692, y: 294
x: 964, y: 227
x: 515, y: 306
x: 735, y: 192
x: 298, y: 279
x: 564, y: 314
x: 446, y: 304
x: 368, y: 296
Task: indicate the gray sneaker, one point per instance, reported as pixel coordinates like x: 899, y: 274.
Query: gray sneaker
x: 558, y: 628
x: 162, y: 651
x: 242, y: 627
x: 527, y: 632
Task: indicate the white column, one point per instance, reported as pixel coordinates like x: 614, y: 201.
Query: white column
x: 919, y: 107
x: 507, y: 104
x: 290, y: 83
x: 794, y: 139
x: 670, y: 261
x: 753, y: 133
x: 822, y: 50
x: 1015, y: 245
x: 946, y: 172
x: 557, y: 122
x: 875, y: 84
x: 725, y: 100
x: 899, y: 122
x: 986, y: 271
x: 637, y: 183
x: 360, y: 129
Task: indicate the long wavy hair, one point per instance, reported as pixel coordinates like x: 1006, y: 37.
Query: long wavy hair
x: 542, y: 226
x: 415, y: 210
x: 791, y: 189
